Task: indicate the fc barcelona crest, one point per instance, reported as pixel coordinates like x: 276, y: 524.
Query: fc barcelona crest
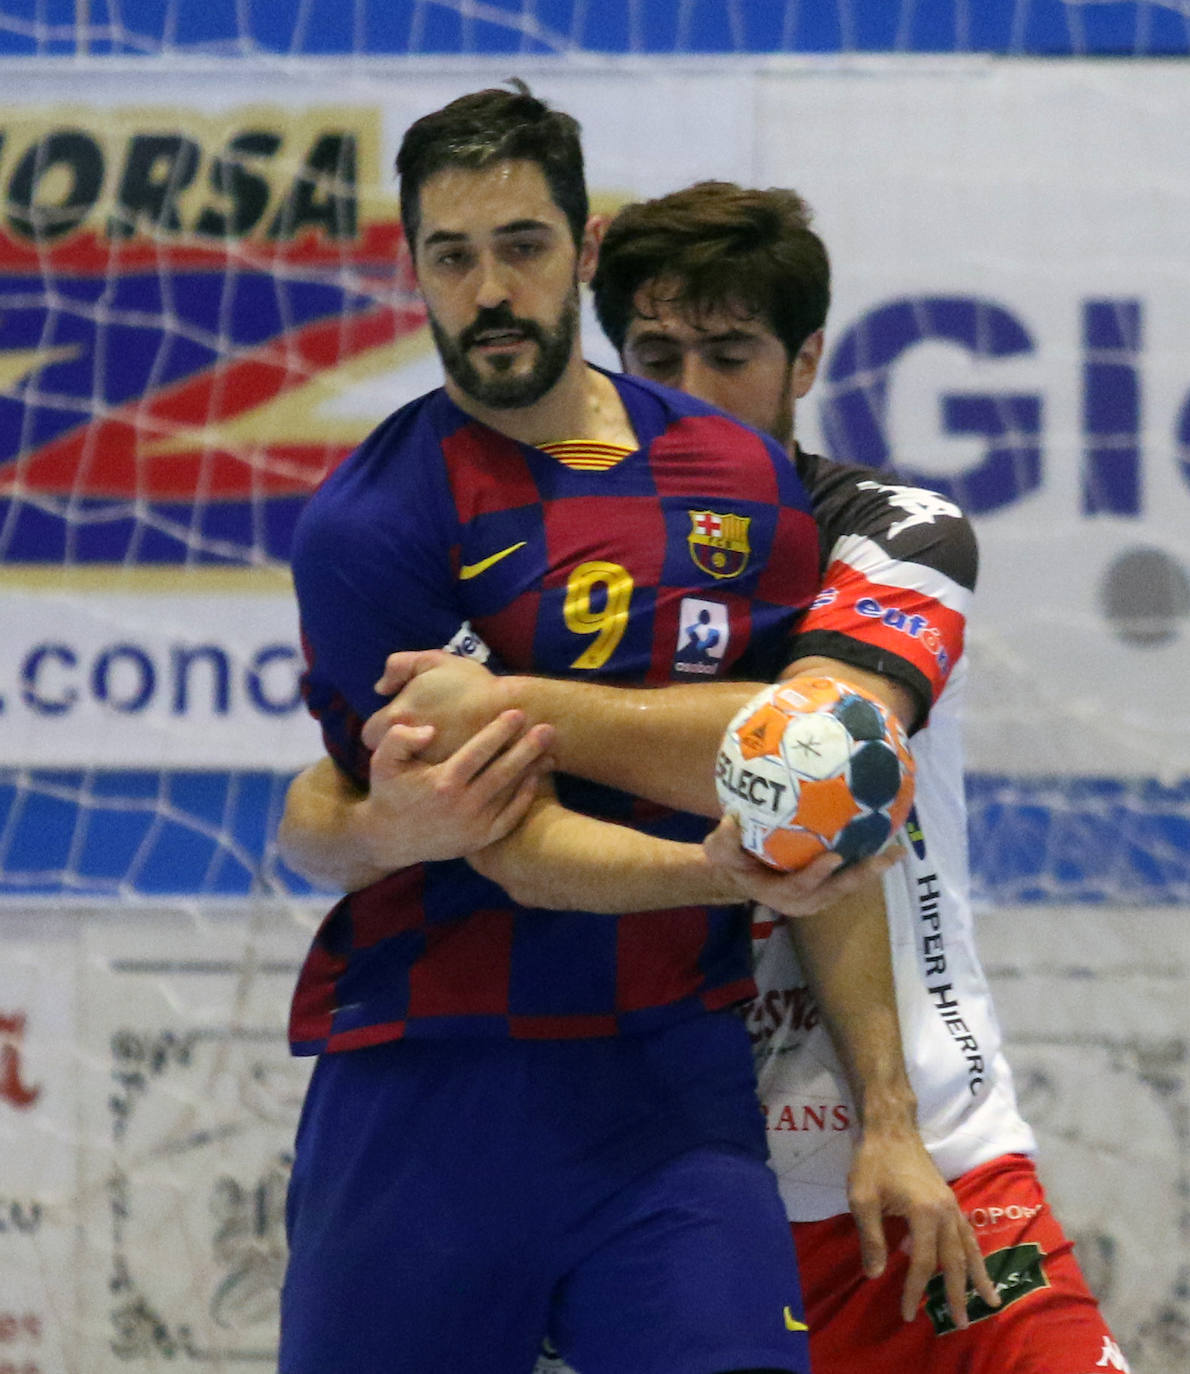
x: 719, y: 543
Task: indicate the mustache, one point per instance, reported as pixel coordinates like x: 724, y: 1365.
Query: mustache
x: 498, y: 317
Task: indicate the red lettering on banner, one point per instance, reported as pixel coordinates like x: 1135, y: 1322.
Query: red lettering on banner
x: 13, y: 1088
x: 19, y: 1326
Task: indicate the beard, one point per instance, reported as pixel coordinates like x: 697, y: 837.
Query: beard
x: 499, y: 390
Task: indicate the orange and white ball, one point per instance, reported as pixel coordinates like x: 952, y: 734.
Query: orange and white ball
x: 815, y: 765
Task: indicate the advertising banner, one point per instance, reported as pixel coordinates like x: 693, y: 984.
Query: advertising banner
x: 206, y: 303
x: 1011, y: 287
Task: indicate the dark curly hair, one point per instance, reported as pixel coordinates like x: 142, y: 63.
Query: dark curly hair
x: 717, y: 246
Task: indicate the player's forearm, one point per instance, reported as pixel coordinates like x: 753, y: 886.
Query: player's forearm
x: 844, y: 952
x: 560, y: 860
x: 657, y: 743
x: 323, y: 832
x: 660, y: 743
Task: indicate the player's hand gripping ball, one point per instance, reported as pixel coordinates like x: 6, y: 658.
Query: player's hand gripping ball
x: 811, y: 766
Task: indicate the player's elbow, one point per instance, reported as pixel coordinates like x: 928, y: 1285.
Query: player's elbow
x: 293, y: 841
x: 309, y: 861
x: 288, y: 846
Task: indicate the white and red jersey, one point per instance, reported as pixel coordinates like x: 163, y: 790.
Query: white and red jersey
x: 900, y: 568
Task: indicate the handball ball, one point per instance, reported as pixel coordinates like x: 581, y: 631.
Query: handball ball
x: 815, y: 766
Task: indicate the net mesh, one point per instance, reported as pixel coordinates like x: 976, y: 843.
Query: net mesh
x: 152, y: 936
x: 241, y: 28
x: 181, y: 308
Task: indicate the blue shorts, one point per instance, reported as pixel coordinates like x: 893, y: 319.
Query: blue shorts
x: 454, y: 1200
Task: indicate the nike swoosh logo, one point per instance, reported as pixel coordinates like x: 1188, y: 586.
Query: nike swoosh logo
x: 470, y: 570
x: 792, y: 1323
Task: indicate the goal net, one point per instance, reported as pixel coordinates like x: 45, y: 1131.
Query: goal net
x: 206, y: 304
x: 485, y: 28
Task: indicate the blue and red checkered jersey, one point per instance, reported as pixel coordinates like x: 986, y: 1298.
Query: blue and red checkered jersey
x: 690, y: 557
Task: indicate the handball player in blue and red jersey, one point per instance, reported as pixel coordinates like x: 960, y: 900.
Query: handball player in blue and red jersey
x: 530, y: 1118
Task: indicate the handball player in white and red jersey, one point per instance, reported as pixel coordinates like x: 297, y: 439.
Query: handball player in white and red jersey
x: 705, y: 290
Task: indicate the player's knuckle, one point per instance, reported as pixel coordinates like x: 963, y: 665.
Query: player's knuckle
x: 445, y: 788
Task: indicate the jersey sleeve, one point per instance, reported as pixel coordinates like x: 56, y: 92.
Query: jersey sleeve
x: 372, y: 573
x: 899, y: 568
